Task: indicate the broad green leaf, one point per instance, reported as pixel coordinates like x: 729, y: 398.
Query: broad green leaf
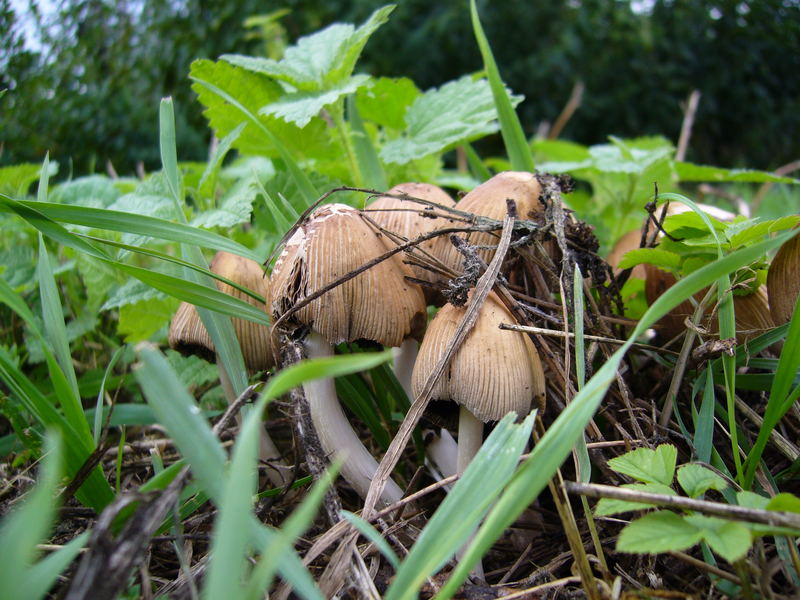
x: 649, y: 466
x: 784, y: 502
x: 754, y: 231
x: 320, y: 60
x: 613, y: 506
x: 192, y: 370
x: 139, y: 321
x: 441, y: 118
x: 93, y: 190
x: 752, y: 500
x: 464, y: 507
x: 620, y: 157
x: 235, y: 207
x: 691, y: 172
x: 300, y: 107
x: 653, y: 256
x: 657, y: 532
x: 385, y: 100
x: 517, y: 148
x: 559, y: 150
x: 730, y: 539
x: 696, y: 480
x: 253, y: 91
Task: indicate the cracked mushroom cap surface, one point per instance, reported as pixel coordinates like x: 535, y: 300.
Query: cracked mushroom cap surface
x: 188, y: 335
x: 378, y: 304
x: 493, y: 372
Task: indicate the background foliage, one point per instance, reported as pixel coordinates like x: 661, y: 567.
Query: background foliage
x: 88, y: 94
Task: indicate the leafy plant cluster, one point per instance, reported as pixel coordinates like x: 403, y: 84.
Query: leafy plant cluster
x: 93, y: 269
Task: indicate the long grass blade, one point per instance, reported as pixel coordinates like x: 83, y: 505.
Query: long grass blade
x: 519, y: 152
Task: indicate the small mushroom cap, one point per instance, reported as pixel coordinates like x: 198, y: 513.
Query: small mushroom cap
x: 489, y: 200
x: 378, y: 304
x: 188, y: 335
x: 403, y: 218
x: 783, y: 281
x: 494, y: 371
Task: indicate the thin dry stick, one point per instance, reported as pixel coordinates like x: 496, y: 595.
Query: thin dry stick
x: 688, y: 123
x: 329, y: 581
x: 591, y: 338
x: 717, y: 509
x: 574, y: 102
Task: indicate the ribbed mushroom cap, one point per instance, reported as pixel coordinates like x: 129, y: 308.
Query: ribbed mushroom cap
x: 378, y: 304
x: 403, y: 218
x: 493, y: 372
x: 783, y: 281
x: 187, y: 334
x: 489, y: 200
x: 751, y: 310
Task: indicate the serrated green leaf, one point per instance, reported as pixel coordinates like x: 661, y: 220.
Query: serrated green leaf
x: 661, y: 531
x: 385, y: 101
x: 696, y: 480
x: 300, y: 107
x: 319, y: 60
x: 459, y: 111
x: 751, y: 231
x: 138, y: 322
x: 649, y: 466
x: 621, y: 157
x: 613, y: 506
x: 235, y: 207
x: 92, y: 190
x: 192, y: 370
x: 692, y: 172
x: 254, y: 91
x: 729, y: 539
x: 751, y: 500
x: 654, y: 256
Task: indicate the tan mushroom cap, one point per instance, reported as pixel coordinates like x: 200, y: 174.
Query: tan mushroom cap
x: 493, y: 372
x: 783, y: 281
x: 489, y: 200
x: 188, y: 335
x: 378, y: 304
x: 403, y: 218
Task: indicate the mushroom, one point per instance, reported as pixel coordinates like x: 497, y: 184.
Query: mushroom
x: 402, y: 217
x: 783, y: 281
x: 188, y: 335
x: 378, y: 304
x: 489, y: 200
x: 493, y: 372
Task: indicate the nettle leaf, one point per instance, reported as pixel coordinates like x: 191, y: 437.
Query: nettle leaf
x: 319, y: 60
x: 729, y: 539
x: 753, y: 231
x: 656, y: 532
x: 559, y: 151
x: 649, y: 466
x: 131, y: 292
x: 653, y: 256
x: 139, y: 321
x: 300, y: 107
x: 255, y: 91
x: 696, y: 480
x: 630, y: 156
x: 459, y: 111
x: 93, y: 190
x: 235, y: 208
x: 193, y: 371
x: 612, y: 506
x: 385, y: 101
x: 692, y: 172
x: 143, y: 204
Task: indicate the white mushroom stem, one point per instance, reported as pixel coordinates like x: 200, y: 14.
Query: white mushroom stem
x: 470, y: 437
x: 442, y: 451
x: 404, y: 358
x: 267, y: 450
x: 335, y: 433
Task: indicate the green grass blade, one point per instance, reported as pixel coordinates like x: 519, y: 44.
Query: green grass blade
x: 554, y: 447
x: 519, y: 152
x: 43, y: 575
x: 177, y: 411
x: 373, y: 536
x: 368, y: 161
x: 169, y: 154
x: 781, y: 397
x: 29, y: 524
x: 115, y: 220
x: 98, y: 415
x: 704, y: 426
x: 476, y: 166
x: 465, y: 505
x: 230, y: 539
x: 56, y: 335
